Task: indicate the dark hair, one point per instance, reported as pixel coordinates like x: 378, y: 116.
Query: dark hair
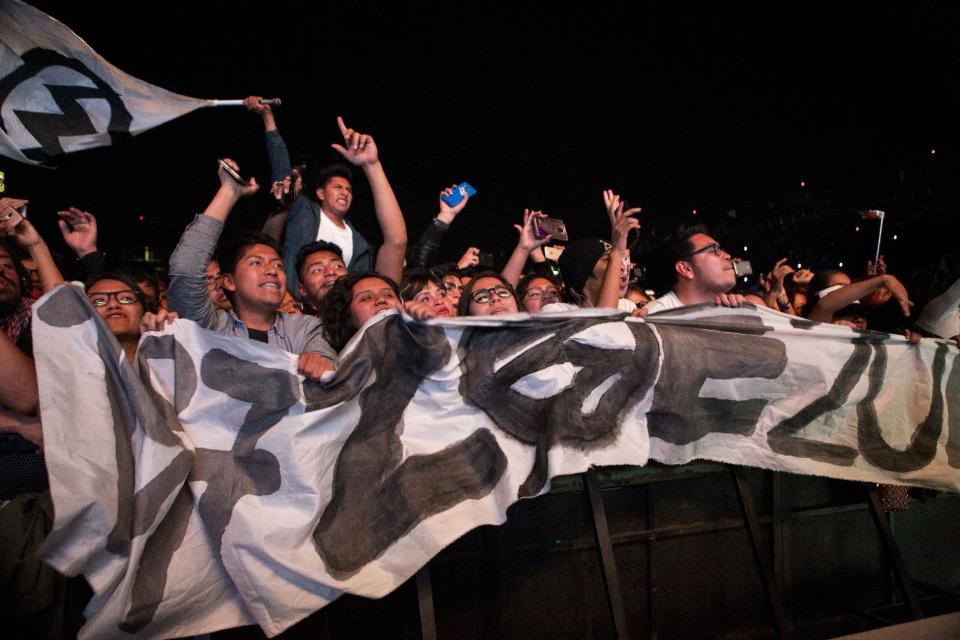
x: 661, y: 261
x: 334, y: 311
x: 233, y: 251
x: 130, y: 279
x: 524, y: 284
x: 328, y: 173
x: 311, y: 248
x: 463, y: 308
x: 414, y: 283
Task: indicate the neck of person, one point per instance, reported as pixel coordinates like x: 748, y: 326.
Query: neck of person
x: 339, y: 220
x: 688, y: 292
x: 255, y: 316
x: 129, y: 345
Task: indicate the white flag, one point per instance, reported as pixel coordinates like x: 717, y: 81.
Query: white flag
x: 57, y: 95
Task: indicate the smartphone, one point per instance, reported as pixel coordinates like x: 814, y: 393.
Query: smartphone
x: 742, y: 268
x: 556, y: 228
x: 232, y: 173
x: 485, y: 259
x: 457, y: 194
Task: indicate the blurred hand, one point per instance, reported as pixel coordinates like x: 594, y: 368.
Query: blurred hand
x: 156, y: 321
x: 236, y: 189
x: 79, y: 229
x: 470, y: 258
x: 313, y: 365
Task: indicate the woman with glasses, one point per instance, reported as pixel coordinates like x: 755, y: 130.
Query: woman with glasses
x: 122, y: 305
x: 536, y: 290
x: 488, y: 294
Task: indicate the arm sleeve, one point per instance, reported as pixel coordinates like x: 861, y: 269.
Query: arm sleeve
x: 421, y: 254
x: 278, y: 155
x: 188, y: 294
x: 316, y: 343
x: 939, y: 316
x: 91, y: 265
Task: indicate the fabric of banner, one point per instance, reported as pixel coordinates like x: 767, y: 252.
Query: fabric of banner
x: 58, y: 95
x: 210, y: 486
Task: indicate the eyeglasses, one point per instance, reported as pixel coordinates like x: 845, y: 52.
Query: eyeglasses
x: 123, y: 297
x: 450, y: 287
x: 713, y: 246
x: 536, y: 293
x: 483, y: 296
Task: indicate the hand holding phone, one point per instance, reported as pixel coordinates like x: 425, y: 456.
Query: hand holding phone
x: 456, y: 195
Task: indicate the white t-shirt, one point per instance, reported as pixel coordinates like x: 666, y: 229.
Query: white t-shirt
x: 343, y: 238
x: 664, y: 302
x: 559, y: 307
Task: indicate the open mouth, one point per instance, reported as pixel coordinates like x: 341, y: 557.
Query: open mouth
x: 270, y: 285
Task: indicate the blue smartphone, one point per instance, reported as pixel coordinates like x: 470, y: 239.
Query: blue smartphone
x: 457, y: 194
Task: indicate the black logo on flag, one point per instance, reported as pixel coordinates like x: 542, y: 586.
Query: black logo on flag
x: 73, y: 120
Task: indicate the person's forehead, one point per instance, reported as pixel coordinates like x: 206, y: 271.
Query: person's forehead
x: 260, y: 251
x: 371, y: 284
x: 701, y: 240
x: 451, y: 278
x: 540, y: 282
x: 487, y: 282
x: 108, y: 284
x: 338, y: 181
x: 323, y: 257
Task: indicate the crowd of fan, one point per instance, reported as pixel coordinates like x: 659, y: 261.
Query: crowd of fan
x: 308, y: 281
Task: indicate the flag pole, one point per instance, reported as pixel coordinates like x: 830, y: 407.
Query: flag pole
x: 273, y: 102
x: 876, y: 257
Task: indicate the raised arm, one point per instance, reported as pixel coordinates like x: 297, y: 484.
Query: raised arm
x: 360, y: 149
x: 526, y: 243
x: 79, y: 229
x: 24, y: 234
x: 939, y: 308
x: 622, y: 222
x: 188, y: 294
x: 421, y: 254
x: 836, y: 300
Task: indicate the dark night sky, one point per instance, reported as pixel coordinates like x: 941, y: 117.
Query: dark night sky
x: 710, y: 107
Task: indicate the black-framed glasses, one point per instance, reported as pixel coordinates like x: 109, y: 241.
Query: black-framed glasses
x: 484, y: 296
x: 102, y: 298
x: 535, y: 293
x: 713, y: 246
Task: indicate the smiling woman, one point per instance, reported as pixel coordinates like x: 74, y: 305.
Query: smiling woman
x: 121, y: 303
x: 354, y: 299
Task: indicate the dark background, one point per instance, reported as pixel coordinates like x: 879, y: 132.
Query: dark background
x: 722, y: 109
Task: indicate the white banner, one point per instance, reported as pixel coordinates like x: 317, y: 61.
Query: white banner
x: 216, y: 488
x: 58, y: 95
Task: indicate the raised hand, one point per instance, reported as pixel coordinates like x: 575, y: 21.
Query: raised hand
x: 470, y: 258
x: 358, y: 148
x: 14, y: 225
x: 79, y: 229
x: 252, y: 103
x: 448, y: 213
x: 528, y: 240
x: 878, y: 269
x: 236, y: 189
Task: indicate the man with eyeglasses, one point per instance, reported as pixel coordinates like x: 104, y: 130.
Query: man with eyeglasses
x: 702, y: 271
